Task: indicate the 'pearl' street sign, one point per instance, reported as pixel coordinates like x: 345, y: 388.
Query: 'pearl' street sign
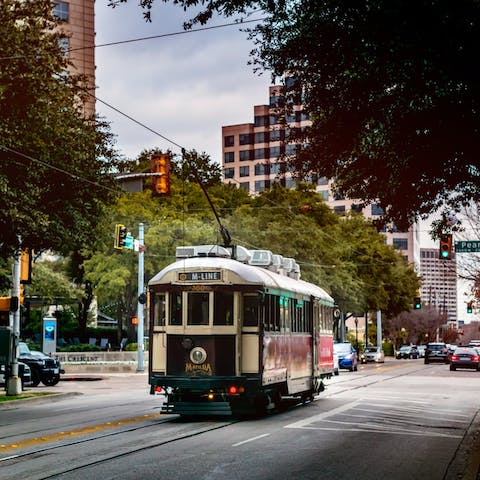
x: 467, y: 246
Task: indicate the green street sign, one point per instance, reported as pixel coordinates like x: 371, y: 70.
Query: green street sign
x: 467, y: 246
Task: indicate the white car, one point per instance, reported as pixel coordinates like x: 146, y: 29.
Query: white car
x: 372, y: 354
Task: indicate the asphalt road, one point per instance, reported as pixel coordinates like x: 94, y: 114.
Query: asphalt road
x: 394, y: 421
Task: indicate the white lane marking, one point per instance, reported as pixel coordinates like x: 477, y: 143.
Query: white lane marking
x: 398, y: 419
x: 420, y: 434
x: 416, y: 410
x: 322, y: 416
x: 250, y: 439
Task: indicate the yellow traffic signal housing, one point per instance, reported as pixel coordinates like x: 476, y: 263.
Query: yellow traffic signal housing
x: 160, y: 168
x: 120, y: 234
x: 446, y: 246
x: 26, y: 266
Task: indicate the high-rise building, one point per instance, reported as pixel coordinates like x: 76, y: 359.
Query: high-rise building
x: 439, y: 282
x: 78, y: 21
x: 252, y: 159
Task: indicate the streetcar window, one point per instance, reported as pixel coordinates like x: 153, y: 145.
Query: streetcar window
x: 198, y: 303
x: 223, y: 314
x: 250, y: 311
x: 159, y: 310
x: 175, y: 308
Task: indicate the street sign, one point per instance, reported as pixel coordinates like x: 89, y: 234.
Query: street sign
x: 467, y: 246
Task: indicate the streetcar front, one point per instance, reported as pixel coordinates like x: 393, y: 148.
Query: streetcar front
x: 204, y: 351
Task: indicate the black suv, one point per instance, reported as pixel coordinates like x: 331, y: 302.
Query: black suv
x: 436, y: 352
x: 44, y: 369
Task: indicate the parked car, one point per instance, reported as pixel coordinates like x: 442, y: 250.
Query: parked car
x: 24, y: 373
x: 407, y: 351
x: 465, y: 357
x: 347, y: 356
x: 436, y: 352
x: 372, y: 354
x: 44, y: 368
x: 421, y: 350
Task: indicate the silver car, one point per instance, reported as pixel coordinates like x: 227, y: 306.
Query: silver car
x: 372, y: 354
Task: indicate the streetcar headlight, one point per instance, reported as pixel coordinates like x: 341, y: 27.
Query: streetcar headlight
x: 198, y: 355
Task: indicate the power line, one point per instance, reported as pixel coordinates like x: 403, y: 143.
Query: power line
x: 141, y: 39
x: 53, y: 167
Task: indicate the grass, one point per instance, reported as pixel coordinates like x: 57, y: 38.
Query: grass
x: 9, y: 398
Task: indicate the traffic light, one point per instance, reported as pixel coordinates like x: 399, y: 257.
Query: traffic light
x: 470, y: 307
x: 7, y: 305
x: 120, y: 236
x: 160, y: 168
x: 417, y: 303
x: 134, y: 320
x: 446, y: 246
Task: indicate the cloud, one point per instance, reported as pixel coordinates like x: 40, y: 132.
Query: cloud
x: 184, y: 87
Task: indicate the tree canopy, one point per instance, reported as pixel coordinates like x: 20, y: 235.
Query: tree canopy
x: 55, y: 161
x: 392, y: 90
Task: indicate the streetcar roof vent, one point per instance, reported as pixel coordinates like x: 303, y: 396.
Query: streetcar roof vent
x: 261, y: 258
x: 295, y: 272
x: 288, y: 264
x: 202, y: 251
x: 241, y: 254
x: 277, y: 264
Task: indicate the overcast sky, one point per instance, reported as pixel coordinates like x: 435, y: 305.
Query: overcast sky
x: 184, y: 87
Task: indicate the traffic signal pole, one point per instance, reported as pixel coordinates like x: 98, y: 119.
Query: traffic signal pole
x: 140, y: 306
x: 14, y: 382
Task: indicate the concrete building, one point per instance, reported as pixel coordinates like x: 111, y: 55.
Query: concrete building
x: 78, y: 21
x: 251, y: 160
x: 439, y: 282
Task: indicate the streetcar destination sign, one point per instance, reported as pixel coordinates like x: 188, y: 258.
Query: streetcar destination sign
x: 199, y: 276
x: 467, y: 246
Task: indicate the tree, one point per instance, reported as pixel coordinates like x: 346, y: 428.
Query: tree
x: 391, y: 89
x: 55, y: 163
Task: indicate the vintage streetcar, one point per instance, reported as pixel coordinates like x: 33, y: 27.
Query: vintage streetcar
x: 235, y: 332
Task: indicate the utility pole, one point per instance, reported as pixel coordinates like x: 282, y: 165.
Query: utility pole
x: 140, y: 304
x: 379, y: 329
x: 14, y: 383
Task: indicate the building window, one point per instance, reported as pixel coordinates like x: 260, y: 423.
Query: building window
x: 229, y: 140
x: 245, y: 186
x: 400, y: 243
x: 291, y: 149
x: 245, y: 155
x: 245, y: 139
x: 323, y: 194
x: 276, y: 101
x: 262, y: 169
x: 244, y: 171
x: 339, y: 209
x: 229, y: 157
x: 60, y: 10
x: 290, y: 182
x: 323, y: 181
x: 376, y: 210
x: 275, y: 152
x: 259, y: 153
x: 261, y: 120
x: 338, y: 196
x: 64, y: 44
x: 229, y: 172
x: 276, y: 168
x: 277, y: 135
x: 261, y: 185
x: 261, y: 137
x: 273, y: 119
x: 356, y: 208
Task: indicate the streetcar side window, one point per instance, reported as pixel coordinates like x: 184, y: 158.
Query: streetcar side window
x: 159, y: 310
x: 175, y: 308
x: 223, y: 304
x: 250, y: 311
x: 198, y: 308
